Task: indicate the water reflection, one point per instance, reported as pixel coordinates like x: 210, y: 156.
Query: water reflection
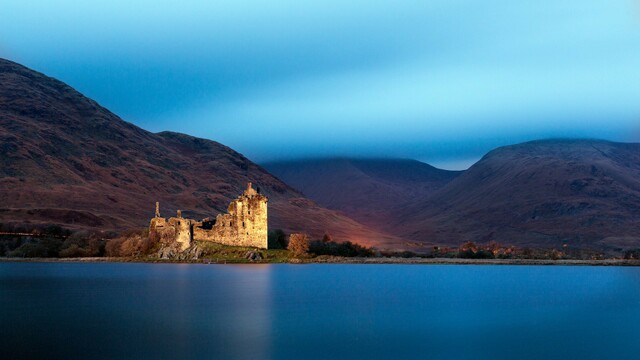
x: 248, y: 318
x: 318, y: 311
x: 211, y: 311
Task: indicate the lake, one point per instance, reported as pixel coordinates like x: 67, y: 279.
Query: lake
x: 154, y: 311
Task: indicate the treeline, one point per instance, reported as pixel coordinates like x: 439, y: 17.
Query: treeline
x: 131, y: 243
x: 493, y: 250
x: 55, y: 241
x: 302, y: 245
x: 51, y: 241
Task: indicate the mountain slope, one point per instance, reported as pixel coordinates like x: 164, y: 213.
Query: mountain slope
x: 370, y: 191
x: 582, y: 193
x: 65, y: 159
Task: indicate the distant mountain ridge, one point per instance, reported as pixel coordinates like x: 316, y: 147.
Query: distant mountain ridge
x: 546, y: 193
x: 580, y: 193
x: 65, y: 159
x: 371, y: 191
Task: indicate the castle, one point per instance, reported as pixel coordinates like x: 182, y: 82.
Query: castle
x: 244, y: 224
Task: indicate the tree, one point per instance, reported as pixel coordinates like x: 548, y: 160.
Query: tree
x: 633, y: 254
x: 277, y: 239
x: 298, y: 244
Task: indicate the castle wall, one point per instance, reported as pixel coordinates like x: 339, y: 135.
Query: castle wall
x: 170, y: 231
x: 184, y: 232
x: 160, y: 231
x: 245, y: 224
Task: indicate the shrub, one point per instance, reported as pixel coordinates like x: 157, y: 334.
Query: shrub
x: 633, y: 254
x: 555, y: 254
x: 470, y: 250
x: 45, y: 247
x: 298, y: 244
x: 277, y: 239
x: 83, y: 243
x: 443, y: 252
x: 73, y: 251
x: 9, y: 243
x: 130, y: 243
x: 112, y: 248
x: 29, y: 250
x: 52, y: 241
x: 347, y: 248
x: 408, y: 254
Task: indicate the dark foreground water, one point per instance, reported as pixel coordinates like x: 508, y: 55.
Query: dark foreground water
x: 116, y: 311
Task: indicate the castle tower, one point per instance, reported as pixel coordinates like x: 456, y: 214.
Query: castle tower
x: 244, y: 224
x: 250, y: 192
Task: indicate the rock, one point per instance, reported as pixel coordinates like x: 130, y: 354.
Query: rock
x: 166, y: 253
x: 171, y: 252
x: 253, y: 255
x: 193, y: 253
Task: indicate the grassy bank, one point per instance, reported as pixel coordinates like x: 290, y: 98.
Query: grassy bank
x: 52, y: 243
x: 216, y: 253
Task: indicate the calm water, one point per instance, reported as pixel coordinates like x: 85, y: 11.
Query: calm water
x: 55, y: 310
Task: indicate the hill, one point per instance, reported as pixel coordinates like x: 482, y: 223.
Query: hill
x: 371, y: 191
x: 572, y: 193
x: 64, y: 159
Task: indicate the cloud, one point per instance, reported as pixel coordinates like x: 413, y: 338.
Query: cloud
x: 427, y: 79
x: 379, y: 110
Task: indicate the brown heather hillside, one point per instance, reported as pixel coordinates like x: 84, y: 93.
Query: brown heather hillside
x: 578, y: 193
x: 65, y: 159
x: 371, y: 191
x: 543, y: 194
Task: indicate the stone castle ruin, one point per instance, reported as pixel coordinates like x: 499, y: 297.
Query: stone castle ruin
x: 244, y: 224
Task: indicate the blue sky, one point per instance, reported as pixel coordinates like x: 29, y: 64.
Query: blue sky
x: 440, y: 81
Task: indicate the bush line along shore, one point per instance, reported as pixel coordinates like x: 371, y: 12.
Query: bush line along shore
x: 53, y: 243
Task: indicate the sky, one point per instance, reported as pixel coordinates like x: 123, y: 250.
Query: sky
x: 441, y: 81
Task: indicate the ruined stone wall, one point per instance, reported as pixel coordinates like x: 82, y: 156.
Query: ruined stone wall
x: 160, y: 231
x: 173, y: 231
x: 245, y: 224
x: 184, y: 231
